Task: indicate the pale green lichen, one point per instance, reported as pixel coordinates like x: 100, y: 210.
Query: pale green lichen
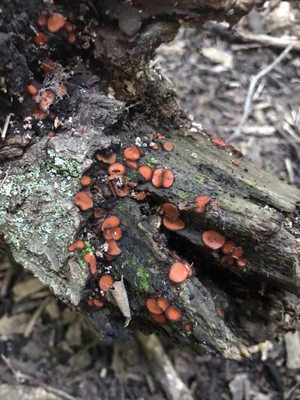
x: 142, y: 278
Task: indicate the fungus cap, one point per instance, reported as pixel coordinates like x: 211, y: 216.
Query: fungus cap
x: 146, y: 172
x: 173, y: 224
x: 77, y: 245
x: 163, y: 303
x: 178, y: 272
x: 55, y: 22
x: 132, y: 153
x: 83, y: 201
x: 91, y: 260
x: 153, y: 307
x: 32, y: 90
x: 228, y: 247
x: 241, y: 262
x: 213, y: 240
x: 107, y: 158
x: 168, y: 146
x: 173, y: 313
x: 113, y: 249
x: 170, y: 210
x: 112, y: 234
x: 116, y: 169
x: 160, y: 318
x: 85, y: 180
x: 201, y: 203
x: 106, y: 282
x: 110, y: 222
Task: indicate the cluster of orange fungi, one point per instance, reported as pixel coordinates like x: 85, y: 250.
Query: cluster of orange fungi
x: 162, y: 311
x: 220, y: 142
x: 232, y: 254
x: 54, y: 22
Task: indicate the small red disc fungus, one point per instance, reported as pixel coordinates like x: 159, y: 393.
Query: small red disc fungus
x: 77, y: 245
x: 163, y: 303
x: 154, y: 146
x: 110, y: 222
x: 85, y: 180
x: 132, y: 153
x: 113, y: 249
x: 173, y: 224
x: 160, y: 318
x: 146, y: 172
x: 141, y: 196
x: 116, y: 169
x: 51, y: 133
x: 40, y: 38
x: 55, y: 22
x: 153, y: 307
x: 218, y: 141
x: 107, y: 158
x: 168, y: 146
x: 47, y: 98
x: 131, y: 164
x: 219, y: 313
x: 98, y: 303
x: 228, y: 247
x: 236, y: 163
x: 42, y: 19
x: 106, y: 282
x: 241, y: 262
x: 112, y: 234
x: 178, y: 272
x: 170, y: 210
x: 32, y: 90
x: 173, y: 313
x: 83, y: 201
x: 237, y: 252
x: 187, y: 326
x: 212, y: 239
x: 201, y: 203
x: 91, y: 260
x: 163, y: 178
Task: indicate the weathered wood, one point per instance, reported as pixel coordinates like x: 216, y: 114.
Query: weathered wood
x: 230, y: 309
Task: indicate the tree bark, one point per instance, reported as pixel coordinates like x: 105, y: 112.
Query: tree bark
x: 125, y: 101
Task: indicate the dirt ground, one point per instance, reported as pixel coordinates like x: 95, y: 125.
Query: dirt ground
x: 44, y: 344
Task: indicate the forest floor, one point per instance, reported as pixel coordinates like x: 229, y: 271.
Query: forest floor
x: 43, y: 343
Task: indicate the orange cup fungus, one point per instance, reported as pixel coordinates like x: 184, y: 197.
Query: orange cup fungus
x: 153, y: 307
x: 117, y: 169
x: 187, y: 326
x: 107, y: 158
x: 113, y: 249
x: 47, y: 98
x: 42, y: 19
x: 228, y: 247
x: 71, y: 38
x: 141, y: 196
x: 106, y: 282
x: 213, y: 240
x: 218, y: 141
x: 85, y: 180
x: 173, y: 313
x: 77, y: 245
x: 40, y: 38
x: 68, y: 26
x: 47, y: 66
x: 146, y: 172
x: 154, y: 146
x: 173, y: 224
x: 168, y: 146
x: 241, y: 262
x: 159, y: 318
x: 55, y: 22
x: 112, y: 234
x: 132, y: 164
x: 201, y: 203
x: 170, y: 210
x: 91, y: 260
x: 132, y: 153
x: 179, y: 272
x: 83, y: 201
x: 32, y: 90
x: 110, y: 222
x: 163, y: 178
x: 163, y: 303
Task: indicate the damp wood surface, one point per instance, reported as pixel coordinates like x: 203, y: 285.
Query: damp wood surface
x: 120, y: 100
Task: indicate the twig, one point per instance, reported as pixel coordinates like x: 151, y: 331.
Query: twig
x: 21, y: 378
x: 254, y: 81
x: 163, y: 369
x: 5, y: 126
x: 260, y: 39
x: 35, y: 317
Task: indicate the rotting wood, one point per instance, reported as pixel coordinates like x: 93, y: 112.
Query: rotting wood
x: 229, y: 308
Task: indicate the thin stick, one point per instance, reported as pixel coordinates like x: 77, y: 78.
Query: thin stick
x: 5, y: 126
x: 254, y: 81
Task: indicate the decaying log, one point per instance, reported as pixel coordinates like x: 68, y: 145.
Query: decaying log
x: 229, y: 308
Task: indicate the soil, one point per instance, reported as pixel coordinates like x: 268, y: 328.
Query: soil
x: 45, y: 340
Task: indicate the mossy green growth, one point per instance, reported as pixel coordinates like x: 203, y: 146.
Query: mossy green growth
x: 142, y: 278
x: 88, y: 248
x: 56, y: 164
